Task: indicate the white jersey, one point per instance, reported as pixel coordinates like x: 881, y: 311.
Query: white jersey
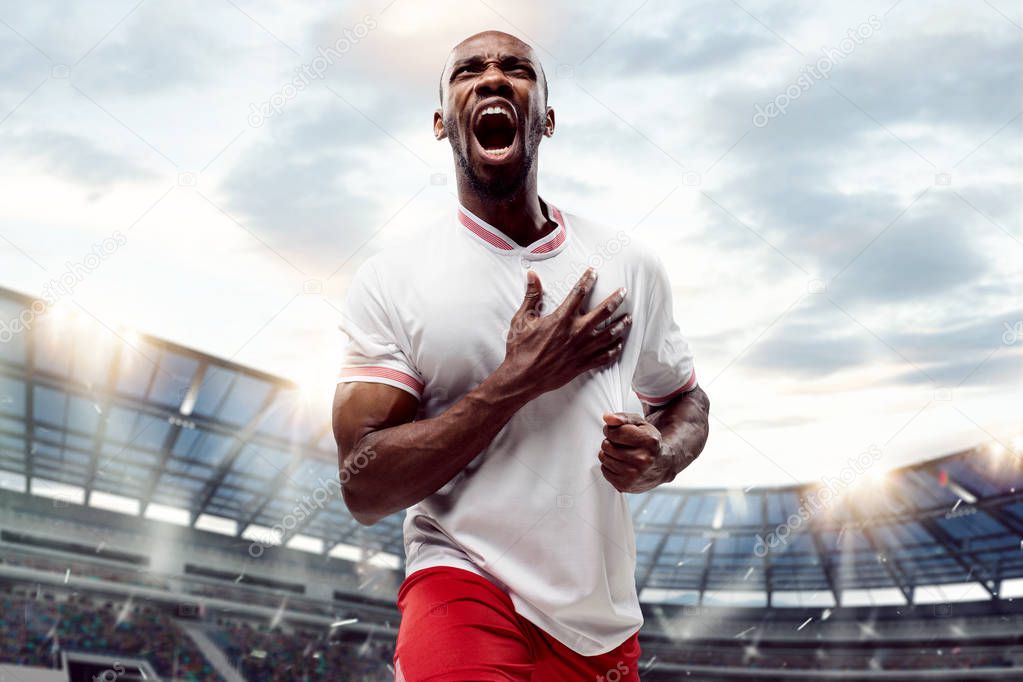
x: 532, y: 512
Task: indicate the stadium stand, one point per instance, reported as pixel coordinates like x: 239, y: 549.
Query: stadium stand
x: 37, y: 630
x: 203, y: 493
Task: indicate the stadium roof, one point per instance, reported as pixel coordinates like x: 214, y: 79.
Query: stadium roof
x: 109, y: 415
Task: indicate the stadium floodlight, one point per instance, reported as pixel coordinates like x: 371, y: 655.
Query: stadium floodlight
x: 262, y: 534
x: 12, y: 481
x: 61, y: 493
x: 114, y: 503
x: 365, y: 556
x: 130, y: 336
x: 965, y: 495
x: 876, y: 596
x: 996, y: 448
x: 61, y: 314
x: 719, y: 514
x: 949, y: 592
x: 306, y: 543
x: 163, y: 512
x: 216, y: 524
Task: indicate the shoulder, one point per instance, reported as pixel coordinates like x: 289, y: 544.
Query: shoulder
x: 634, y: 251
x: 403, y: 256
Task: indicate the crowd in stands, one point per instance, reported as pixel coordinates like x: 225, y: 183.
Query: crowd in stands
x: 770, y: 658
x: 36, y: 628
x: 273, y: 655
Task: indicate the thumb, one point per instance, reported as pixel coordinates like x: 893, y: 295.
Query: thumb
x: 622, y: 418
x: 534, y: 293
x: 613, y: 419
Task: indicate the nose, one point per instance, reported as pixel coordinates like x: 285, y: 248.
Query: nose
x: 493, y: 81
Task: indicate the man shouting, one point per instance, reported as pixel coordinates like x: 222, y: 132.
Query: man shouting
x: 484, y: 391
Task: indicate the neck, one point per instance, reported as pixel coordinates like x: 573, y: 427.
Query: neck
x: 518, y: 215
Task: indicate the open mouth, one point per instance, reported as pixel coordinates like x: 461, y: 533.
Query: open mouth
x: 495, y: 130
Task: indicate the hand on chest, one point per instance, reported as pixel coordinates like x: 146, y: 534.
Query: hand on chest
x: 460, y: 326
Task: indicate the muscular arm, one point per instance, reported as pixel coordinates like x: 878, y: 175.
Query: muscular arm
x: 684, y: 427
x: 389, y: 462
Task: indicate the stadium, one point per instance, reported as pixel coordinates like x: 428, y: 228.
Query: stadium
x: 168, y: 515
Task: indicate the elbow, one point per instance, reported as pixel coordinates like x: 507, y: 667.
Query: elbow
x: 358, y: 509
x: 367, y: 519
x: 703, y: 399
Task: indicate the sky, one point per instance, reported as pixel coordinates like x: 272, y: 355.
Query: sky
x: 835, y: 189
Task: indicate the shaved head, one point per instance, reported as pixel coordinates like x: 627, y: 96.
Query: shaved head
x: 483, y: 36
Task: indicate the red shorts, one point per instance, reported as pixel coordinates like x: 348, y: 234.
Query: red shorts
x: 457, y: 626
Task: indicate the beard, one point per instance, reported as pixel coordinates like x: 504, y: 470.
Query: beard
x: 503, y: 186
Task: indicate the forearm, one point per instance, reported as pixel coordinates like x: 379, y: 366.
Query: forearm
x: 683, y: 424
x: 394, y: 468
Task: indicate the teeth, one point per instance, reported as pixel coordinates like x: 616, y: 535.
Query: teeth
x: 499, y: 152
x: 498, y: 110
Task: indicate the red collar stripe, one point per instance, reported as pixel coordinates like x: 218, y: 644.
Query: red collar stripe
x: 552, y: 244
x: 384, y: 373
x: 483, y: 233
x: 487, y: 234
x: 687, y: 386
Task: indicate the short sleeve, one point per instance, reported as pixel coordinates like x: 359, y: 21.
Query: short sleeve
x: 665, y: 368
x: 373, y: 354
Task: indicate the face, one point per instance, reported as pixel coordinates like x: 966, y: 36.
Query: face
x: 494, y: 112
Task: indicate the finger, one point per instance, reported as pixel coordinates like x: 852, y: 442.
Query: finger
x: 578, y: 293
x: 533, y: 299
x: 633, y: 457
x: 614, y: 479
x: 604, y: 357
x: 613, y: 329
x: 626, y: 434
x: 617, y: 468
x: 605, y: 339
x: 606, y: 309
x: 633, y: 436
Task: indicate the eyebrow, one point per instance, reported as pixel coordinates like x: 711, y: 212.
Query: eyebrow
x: 505, y: 61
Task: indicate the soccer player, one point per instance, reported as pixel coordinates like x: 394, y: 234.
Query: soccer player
x: 484, y: 391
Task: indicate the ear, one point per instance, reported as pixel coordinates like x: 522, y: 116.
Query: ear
x: 548, y: 124
x: 438, y: 125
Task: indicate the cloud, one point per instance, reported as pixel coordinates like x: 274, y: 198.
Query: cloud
x: 75, y: 159
x: 842, y: 187
x: 932, y: 251
x: 312, y: 187
x: 814, y: 341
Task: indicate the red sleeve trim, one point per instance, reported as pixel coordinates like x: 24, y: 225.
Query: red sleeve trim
x: 689, y: 385
x: 355, y: 373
